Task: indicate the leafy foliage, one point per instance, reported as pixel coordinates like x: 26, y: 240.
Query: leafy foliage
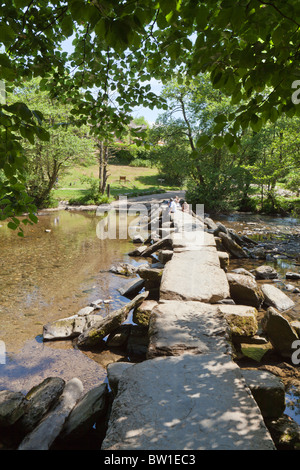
x: 248, y: 48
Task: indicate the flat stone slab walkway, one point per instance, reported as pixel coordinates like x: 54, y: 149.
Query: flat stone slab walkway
x: 194, y: 275
x: 188, y: 394
x: 195, y: 327
x: 188, y: 402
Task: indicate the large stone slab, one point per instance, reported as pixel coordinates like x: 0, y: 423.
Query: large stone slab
x: 189, y: 233
x: 182, y: 241
x: 245, y: 290
x: 51, y: 425
x: 189, y: 402
x: 184, y: 221
x: 274, y: 297
x: 194, y: 275
x: 177, y: 327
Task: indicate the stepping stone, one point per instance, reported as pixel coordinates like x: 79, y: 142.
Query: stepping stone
x: 189, y: 402
x: 194, y: 275
x: 274, y: 297
x: 177, y: 327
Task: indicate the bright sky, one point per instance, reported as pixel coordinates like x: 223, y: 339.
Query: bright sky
x: 149, y: 114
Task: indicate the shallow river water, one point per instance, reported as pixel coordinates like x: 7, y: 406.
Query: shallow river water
x: 61, y: 266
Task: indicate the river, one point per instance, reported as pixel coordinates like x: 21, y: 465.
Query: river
x: 58, y: 267
x: 61, y: 266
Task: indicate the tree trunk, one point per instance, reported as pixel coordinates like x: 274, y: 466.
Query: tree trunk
x: 103, y: 160
x: 100, y: 160
x: 104, y: 172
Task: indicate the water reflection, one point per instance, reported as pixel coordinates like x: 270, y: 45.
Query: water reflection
x: 293, y: 403
x: 59, y: 267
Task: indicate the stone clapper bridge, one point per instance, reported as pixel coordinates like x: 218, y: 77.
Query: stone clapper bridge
x: 188, y: 394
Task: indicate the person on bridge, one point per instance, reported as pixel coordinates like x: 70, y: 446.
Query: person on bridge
x: 185, y: 207
x: 172, y: 206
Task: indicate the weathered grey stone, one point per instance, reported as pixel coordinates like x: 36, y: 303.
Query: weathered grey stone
x: 63, y: 328
x: 291, y: 275
x: 38, y: 402
x: 244, y: 290
x: 163, y: 243
x: 265, y: 272
x: 220, y: 228
x: 242, y: 271
x: 138, y: 251
x: 224, y: 259
x: 178, y: 327
x: 43, y: 436
x: 68, y: 328
x: 141, y: 314
x: 241, y: 323
x: 232, y: 247
x: 85, y: 311
x: 285, y: 432
x: 192, y: 241
x: 138, y: 340
x: 268, y: 392
x: 165, y: 255
x: 280, y: 332
x: 274, y: 297
x: 194, y: 275
x: 114, y: 372
x: 190, y: 402
x: 235, y: 237
x: 258, y: 253
x: 289, y: 287
x: 210, y: 223
x: 119, y: 336
x: 12, y: 407
x: 132, y: 288
x: 151, y: 274
x: 91, y: 407
x: 138, y: 239
x: 94, y: 335
x: 125, y: 269
x: 295, y: 324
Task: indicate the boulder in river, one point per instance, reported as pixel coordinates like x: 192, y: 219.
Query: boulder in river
x: 292, y: 275
x: 125, y: 269
x: 232, y: 247
x: 69, y: 327
x: 265, y: 272
x: 114, y: 372
x: 132, y: 288
x: 93, y: 336
x: 138, y: 251
x: 243, y: 271
x: 43, y: 436
x: 39, y: 400
x: 280, y: 332
x: 245, y: 290
x: 141, y: 314
x: 242, y: 320
x: 12, y: 407
x: 91, y: 407
x: 267, y: 390
x: 274, y: 297
x: 151, y: 274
